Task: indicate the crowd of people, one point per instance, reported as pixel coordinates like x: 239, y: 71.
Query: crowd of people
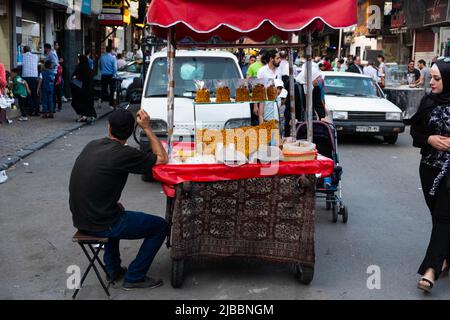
x: 37, y: 85
x: 273, y: 64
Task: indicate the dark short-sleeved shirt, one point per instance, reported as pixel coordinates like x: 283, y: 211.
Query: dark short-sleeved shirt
x: 98, y: 177
x: 416, y: 73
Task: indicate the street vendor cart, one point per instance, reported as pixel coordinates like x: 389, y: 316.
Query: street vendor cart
x: 247, y: 210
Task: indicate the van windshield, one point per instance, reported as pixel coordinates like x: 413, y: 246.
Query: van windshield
x: 351, y: 86
x: 188, y: 69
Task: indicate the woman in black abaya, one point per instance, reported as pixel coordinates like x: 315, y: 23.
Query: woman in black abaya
x: 430, y: 129
x: 82, y: 91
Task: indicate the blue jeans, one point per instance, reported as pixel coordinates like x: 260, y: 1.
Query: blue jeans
x: 33, y: 98
x: 47, y: 101
x: 134, y: 225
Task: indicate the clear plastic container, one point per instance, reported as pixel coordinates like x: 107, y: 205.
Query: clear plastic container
x: 203, y: 94
x: 222, y: 91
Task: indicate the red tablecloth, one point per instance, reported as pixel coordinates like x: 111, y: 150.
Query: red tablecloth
x: 172, y: 174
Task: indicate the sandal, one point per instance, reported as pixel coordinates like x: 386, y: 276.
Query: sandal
x: 426, y: 288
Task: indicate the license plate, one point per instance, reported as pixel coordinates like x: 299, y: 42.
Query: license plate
x: 367, y: 129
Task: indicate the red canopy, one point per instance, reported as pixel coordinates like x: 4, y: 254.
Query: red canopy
x: 232, y: 19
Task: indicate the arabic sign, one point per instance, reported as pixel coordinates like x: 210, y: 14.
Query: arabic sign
x: 436, y: 11
x: 112, y: 3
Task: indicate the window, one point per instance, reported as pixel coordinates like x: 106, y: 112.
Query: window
x: 351, y: 86
x: 132, y: 67
x: 188, y: 69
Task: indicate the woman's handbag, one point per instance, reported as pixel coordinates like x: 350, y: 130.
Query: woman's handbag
x: 77, y: 83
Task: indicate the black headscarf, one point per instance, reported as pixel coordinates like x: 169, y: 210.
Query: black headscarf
x: 430, y: 101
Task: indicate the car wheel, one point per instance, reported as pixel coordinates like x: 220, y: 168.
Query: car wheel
x: 391, y: 139
x: 135, y: 95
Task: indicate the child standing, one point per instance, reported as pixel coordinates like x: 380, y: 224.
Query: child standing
x: 21, y: 91
x: 48, y: 88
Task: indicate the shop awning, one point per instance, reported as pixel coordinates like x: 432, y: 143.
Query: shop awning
x: 232, y: 19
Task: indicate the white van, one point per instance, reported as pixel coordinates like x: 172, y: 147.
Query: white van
x: 189, y: 66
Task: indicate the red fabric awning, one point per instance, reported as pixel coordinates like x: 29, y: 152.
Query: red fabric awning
x: 232, y: 19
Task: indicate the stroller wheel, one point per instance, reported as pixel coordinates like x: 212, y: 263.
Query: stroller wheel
x: 334, y: 212
x: 344, y: 212
x: 328, y: 202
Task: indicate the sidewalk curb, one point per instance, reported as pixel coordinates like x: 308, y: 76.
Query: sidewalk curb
x: 8, y: 161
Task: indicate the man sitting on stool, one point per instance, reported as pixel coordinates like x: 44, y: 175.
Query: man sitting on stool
x: 96, y: 183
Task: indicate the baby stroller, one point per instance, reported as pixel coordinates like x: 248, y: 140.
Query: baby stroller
x: 329, y: 188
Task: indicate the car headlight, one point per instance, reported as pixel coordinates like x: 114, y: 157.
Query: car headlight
x: 394, y: 116
x: 340, y: 115
x: 237, y: 123
x: 158, y: 126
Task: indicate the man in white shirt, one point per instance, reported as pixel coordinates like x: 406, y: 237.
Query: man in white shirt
x: 271, y: 70
x: 30, y: 75
x: 284, y: 64
x: 371, y: 71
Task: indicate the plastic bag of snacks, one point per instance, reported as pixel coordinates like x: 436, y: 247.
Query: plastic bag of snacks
x: 258, y: 89
x: 242, y: 90
x: 222, y: 91
x: 202, y: 95
x: 271, y: 89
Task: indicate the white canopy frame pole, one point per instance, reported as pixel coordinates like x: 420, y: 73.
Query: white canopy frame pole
x: 170, y: 87
x: 340, y: 42
x: 291, y: 90
x: 309, y: 89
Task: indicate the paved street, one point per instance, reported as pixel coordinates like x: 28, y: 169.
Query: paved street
x: 389, y: 226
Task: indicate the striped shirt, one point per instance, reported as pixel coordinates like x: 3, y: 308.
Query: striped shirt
x: 29, y: 65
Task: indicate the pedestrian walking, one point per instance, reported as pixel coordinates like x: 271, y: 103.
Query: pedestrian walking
x: 108, y: 70
x: 355, y: 66
x: 88, y: 54
x: 21, y: 90
x: 430, y: 129
x: 381, y: 71
x: 30, y: 73
x: 59, y: 85
x: 371, y: 71
x: 253, y: 69
x: 251, y: 60
x: 120, y: 61
x: 412, y: 75
x: 82, y: 91
x: 340, y: 66
x: 425, y: 76
x: 50, y: 55
x: 318, y: 97
x: 4, y: 104
x: 48, y: 88
x: 98, y: 177
x: 266, y: 110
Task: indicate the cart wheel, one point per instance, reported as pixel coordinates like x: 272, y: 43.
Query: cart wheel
x: 328, y: 202
x: 305, y: 274
x: 177, y: 273
x: 344, y: 212
x: 334, y: 212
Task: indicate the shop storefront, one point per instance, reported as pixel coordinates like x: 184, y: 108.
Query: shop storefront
x: 33, y: 20
x: 5, y: 39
